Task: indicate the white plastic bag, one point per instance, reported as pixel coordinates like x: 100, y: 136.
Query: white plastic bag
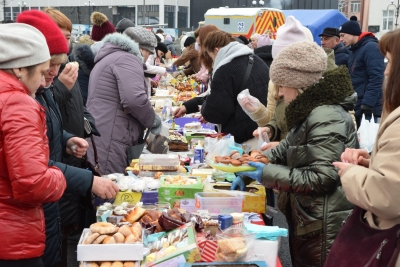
x: 248, y: 103
x: 367, y: 133
x: 262, y: 138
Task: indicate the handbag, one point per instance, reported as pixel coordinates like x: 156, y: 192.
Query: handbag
x: 134, y: 152
x: 358, y: 244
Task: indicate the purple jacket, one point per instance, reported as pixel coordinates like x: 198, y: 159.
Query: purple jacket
x: 118, y: 101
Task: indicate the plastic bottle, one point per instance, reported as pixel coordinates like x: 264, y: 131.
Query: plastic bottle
x: 198, y: 154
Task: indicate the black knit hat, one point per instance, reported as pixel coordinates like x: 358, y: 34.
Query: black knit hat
x: 162, y: 47
x: 244, y: 39
x: 189, y: 40
x: 124, y: 24
x: 351, y: 27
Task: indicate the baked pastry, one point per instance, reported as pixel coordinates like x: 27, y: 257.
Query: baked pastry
x: 91, y: 264
x: 236, y: 162
x: 100, y: 239
x: 125, y: 230
x: 130, y: 239
x: 119, y: 238
x: 106, y: 264
x: 231, y: 250
x: 117, y: 264
x: 133, y: 215
x: 150, y: 216
x: 136, y: 230
x: 103, y: 228
x: 109, y: 240
x: 91, y: 238
x: 158, y: 226
x: 129, y: 264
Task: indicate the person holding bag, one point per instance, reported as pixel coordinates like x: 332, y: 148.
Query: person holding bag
x: 320, y: 128
x: 371, y: 234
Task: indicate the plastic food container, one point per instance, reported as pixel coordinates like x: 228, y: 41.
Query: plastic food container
x: 219, y: 203
x: 159, y: 162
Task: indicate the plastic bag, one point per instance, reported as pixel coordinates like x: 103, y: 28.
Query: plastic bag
x: 367, y: 133
x: 233, y: 245
x: 262, y: 138
x: 223, y: 148
x: 248, y: 103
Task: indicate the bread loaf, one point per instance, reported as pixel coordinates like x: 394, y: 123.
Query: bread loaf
x: 133, y: 215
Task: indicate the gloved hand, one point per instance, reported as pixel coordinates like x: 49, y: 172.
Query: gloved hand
x: 367, y: 110
x: 238, y: 183
x: 255, y: 175
x: 157, y: 125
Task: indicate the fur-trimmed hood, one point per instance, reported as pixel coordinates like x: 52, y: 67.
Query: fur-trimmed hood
x: 84, y: 55
x: 333, y: 89
x: 118, y: 42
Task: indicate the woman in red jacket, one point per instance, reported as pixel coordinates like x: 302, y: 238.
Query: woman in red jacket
x: 26, y: 180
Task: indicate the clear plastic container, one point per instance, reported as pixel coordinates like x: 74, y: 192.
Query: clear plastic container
x: 219, y: 203
x: 159, y: 162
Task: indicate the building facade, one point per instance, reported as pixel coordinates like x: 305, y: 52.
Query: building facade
x: 382, y: 16
x: 173, y: 13
x: 199, y: 7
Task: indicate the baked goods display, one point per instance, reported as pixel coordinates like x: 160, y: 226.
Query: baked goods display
x: 179, y: 180
x: 177, y: 142
x: 107, y: 233
x: 235, y: 159
x: 167, y: 244
x: 231, y: 250
x: 109, y: 264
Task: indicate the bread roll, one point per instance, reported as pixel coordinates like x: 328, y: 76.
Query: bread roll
x: 125, y: 230
x: 119, y: 238
x: 133, y: 215
x: 73, y: 63
x: 103, y: 228
x: 91, y: 264
x: 117, y: 264
x: 129, y: 264
x: 109, y: 240
x: 106, y: 264
x: 91, y: 238
x: 130, y: 239
x: 100, y: 239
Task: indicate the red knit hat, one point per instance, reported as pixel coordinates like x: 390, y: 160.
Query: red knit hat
x: 56, y: 41
x: 101, y: 26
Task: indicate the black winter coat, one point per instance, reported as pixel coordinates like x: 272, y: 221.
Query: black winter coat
x: 341, y: 54
x: 85, y: 57
x: 221, y: 105
x: 265, y: 53
x: 79, y: 181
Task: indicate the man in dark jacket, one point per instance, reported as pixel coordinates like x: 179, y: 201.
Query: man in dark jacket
x: 366, y: 66
x: 330, y: 38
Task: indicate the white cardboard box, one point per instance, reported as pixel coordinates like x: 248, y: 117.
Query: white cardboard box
x: 108, y: 252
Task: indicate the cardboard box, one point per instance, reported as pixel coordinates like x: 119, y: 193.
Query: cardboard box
x: 253, y: 202
x: 147, y: 197
x: 190, y: 251
x: 108, y: 252
x: 173, y: 193
x: 264, y: 250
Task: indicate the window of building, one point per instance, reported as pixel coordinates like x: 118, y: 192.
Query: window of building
x: 388, y: 17
x: 355, y: 6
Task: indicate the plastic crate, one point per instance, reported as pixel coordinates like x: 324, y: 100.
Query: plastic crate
x: 219, y: 203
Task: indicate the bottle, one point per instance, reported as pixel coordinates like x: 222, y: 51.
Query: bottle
x: 198, y: 154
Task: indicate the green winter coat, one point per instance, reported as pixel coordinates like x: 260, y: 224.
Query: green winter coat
x: 321, y: 129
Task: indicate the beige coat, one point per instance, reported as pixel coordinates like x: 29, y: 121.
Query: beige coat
x: 376, y: 189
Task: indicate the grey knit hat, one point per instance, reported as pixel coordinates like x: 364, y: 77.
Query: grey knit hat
x: 21, y: 45
x: 299, y: 65
x: 143, y: 37
x: 123, y: 24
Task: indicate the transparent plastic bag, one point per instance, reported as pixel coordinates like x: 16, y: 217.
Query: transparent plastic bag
x: 233, y: 245
x: 262, y: 138
x: 248, y: 103
x: 367, y: 133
